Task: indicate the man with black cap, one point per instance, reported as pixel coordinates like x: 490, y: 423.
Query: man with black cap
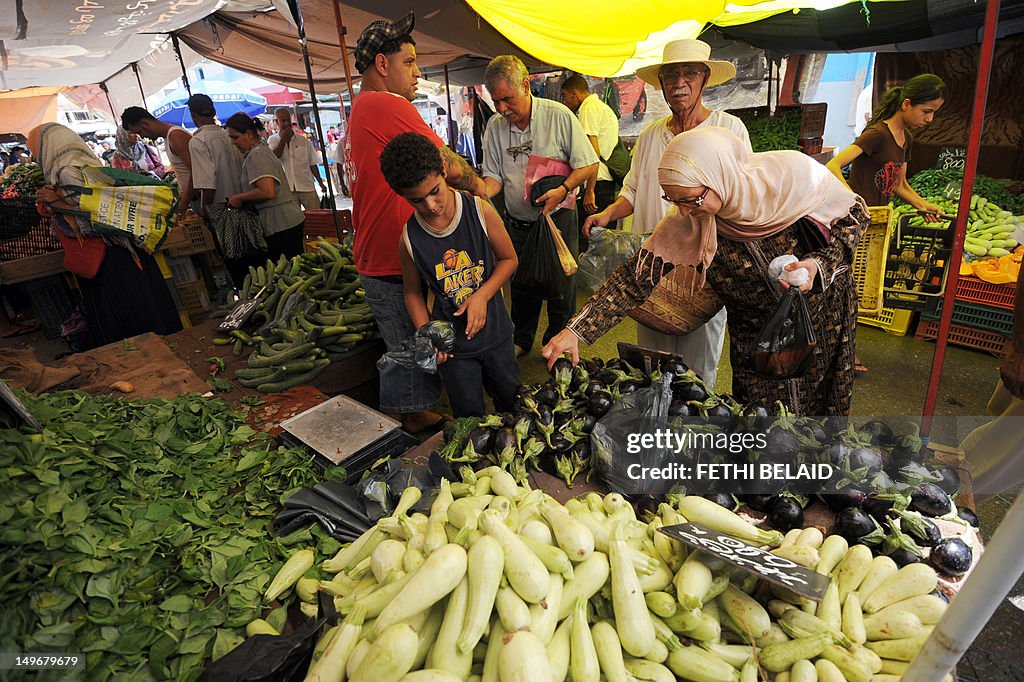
x: 216, y: 163
x: 385, y: 55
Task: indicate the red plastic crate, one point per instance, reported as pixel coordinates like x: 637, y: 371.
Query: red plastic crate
x: 974, y: 290
x: 969, y: 337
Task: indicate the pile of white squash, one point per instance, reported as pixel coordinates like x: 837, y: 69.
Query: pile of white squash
x: 502, y: 583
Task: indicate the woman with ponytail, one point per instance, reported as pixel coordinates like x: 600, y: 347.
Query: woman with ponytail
x: 879, y: 156
x: 262, y: 172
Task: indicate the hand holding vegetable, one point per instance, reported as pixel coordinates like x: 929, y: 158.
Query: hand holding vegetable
x: 563, y: 342
x: 808, y: 264
x: 475, y: 310
x: 932, y: 212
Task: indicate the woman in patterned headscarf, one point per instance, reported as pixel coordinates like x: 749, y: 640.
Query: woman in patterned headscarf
x: 135, y: 155
x: 733, y: 213
x: 124, y: 294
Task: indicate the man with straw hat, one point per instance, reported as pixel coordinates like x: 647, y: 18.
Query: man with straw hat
x: 685, y: 70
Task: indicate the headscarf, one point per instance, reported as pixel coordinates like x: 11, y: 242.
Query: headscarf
x: 762, y: 194
x: 56, y: 147
x: 135, y: 152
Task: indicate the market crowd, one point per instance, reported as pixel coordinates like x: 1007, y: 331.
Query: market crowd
x: 717, y: 215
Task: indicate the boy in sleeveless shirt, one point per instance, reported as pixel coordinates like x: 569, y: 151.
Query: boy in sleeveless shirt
x: 458, y: 246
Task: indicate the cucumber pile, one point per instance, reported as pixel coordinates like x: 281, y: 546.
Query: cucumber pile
x: 504, y: 583
x: 312, y: 312
x: 990, y: 229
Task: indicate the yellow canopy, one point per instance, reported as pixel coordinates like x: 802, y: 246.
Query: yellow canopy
x: 614, y: 37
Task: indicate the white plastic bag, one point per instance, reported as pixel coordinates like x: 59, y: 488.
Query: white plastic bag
x: 776, y: 271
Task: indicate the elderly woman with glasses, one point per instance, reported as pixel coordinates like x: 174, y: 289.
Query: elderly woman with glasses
x: 733, y: 213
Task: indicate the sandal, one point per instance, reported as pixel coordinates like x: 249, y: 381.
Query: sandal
x: 859, y: 369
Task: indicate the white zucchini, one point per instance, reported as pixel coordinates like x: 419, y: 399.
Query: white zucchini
x: 588, y: 578
x: 643, y: 670
x: 513, y: 611
x: 910, y: 581
x: 831, y: 552
x: 559, y: 649
x: 386, y: 558
x: 695, y: 664
x: 803, y: 671
x: 390, y: 657
x: 632, y: 619
x: 431, y: 675
x: 583, y: 664
x: 692, y: 582
x: 330, y: 667
x: 553, y: 558
x: 928, y: 607
x: 544, y: 616
x: 609, y: 652
x: 525, y: 572
x: 748, y: 613
x: 851, y: 571
x: 714, y: 516
x: 853, y: 619
x: 445, y: 655
x: 538, y: 531
x: 495, y: 643
x: 575, y: 538
x: 427, y: 634
x: 523, y: 659
x: 438, y: 576
x: 827, y: 671
x: 882, y: 567
x: 486, y: 562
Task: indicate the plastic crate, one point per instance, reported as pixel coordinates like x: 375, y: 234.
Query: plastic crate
x: 974, y: 290
x: 37, y: 240
x: 198, y: 238
x: 319, y: 223
x: 869, y: 260
x: 978, y: 316
x: 969, y: 337
x: 183, y: 271
x: 194, y: 298
x: 812, y: 120
x: 895, y: 322
x: 915, y: 271
x: 52, y: 301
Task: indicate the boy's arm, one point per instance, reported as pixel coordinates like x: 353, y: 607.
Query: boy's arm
x: 475, y: 307
x: 413, y: 292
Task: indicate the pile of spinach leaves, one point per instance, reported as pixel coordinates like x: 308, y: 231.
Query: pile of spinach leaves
x: 137, y: 532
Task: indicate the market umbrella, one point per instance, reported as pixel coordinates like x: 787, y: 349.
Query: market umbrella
x: 227, y: 100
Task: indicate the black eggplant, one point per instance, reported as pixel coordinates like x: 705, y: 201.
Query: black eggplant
x: 589, y: 421
x: 721, y: 416
x: 560, y: 442
x: 544, y: 414
x: 508, y: 419
x: 927, y: 536
x: 878, y: 432
x: 904, y: 557
x: 930, y: 500
x: 689, y: 390
x: 679, y: 408
x: 761, y: 503
x: 723, y: 500
x: 838, y: 500
x: 593, y: 386
x: 951, y: 556
x: 878, y: 507
x: 547, y: 395
x: 866, y: 457
x: 592, y: 364
x: 757, y: 417
x: 781, y: 441
x: 814, y: 431
x: 599, y: 404
x: 504, y: 439
x: 605, y: 376
x: 839, y: 455
x: 950, y: 481
x: 786, y: 513
x: 969, y: 516
x: 674, y: 365
x: 480, y: 437
x: 628, y: 386
x: 617, y: 363
x: 561, y: 363
x: 853, y: 524
x: 834, y: 424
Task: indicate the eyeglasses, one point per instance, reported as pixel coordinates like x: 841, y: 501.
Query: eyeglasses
x: 671, y: 75
x: 524, y: 148
x: 696, y: 202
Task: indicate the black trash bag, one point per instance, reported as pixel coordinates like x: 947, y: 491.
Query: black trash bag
x: 419, y: 351
x: 337, y: 507
x: 613, y: 447
x: 270, y: 658
x: 785, y: 346
x: 383, y: 485
x: 540, y: 272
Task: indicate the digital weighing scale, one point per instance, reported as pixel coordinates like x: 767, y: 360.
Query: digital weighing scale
x: 343, y: 432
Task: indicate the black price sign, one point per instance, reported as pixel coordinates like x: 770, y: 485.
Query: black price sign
x: 774, y: 569
x: 952, y: 158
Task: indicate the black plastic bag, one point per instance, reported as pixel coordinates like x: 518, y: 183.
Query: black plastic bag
x: 381, y: 488
x: 270, y: 658
x: 540, y: 272
x: 419, y: 351
x: 616, y: 456
x: 785, y: 346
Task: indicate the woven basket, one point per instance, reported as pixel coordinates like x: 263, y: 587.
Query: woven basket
x: 671, y: 309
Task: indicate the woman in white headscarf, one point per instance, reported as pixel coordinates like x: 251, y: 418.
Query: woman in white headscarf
x: 734, y: 212
x: 124, y: 294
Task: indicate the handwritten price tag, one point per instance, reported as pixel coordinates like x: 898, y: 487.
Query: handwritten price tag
x: 774, y: 569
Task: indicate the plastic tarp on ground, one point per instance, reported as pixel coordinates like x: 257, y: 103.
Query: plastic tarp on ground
x: 75, y: 42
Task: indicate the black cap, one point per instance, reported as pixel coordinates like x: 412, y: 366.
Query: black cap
x: 201, y: 105
x: 378, y: 33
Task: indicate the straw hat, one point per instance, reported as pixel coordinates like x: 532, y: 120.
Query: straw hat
x: 688, y: 51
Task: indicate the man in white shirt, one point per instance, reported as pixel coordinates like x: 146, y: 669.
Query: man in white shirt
x: 216, y: 163
x: 685, y: 70
x: 602, y: 128
x: 300, y: 160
